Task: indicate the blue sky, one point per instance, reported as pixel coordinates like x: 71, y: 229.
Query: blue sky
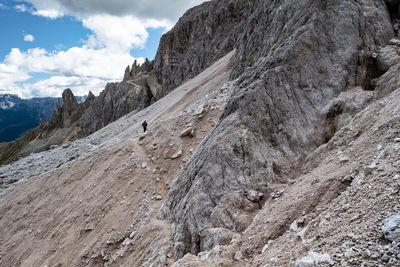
x: 50, y: 45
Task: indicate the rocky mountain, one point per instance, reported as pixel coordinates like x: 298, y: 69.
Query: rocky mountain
x: 60, y: 127
x: 19, y: 115
x: 198, y: 39
x: 195, y: 43
x: 284, y: 152
x: 279, y: 112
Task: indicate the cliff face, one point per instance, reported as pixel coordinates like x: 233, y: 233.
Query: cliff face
x: 292, y: 59
x: 203, y: 35
x: 137, y: 91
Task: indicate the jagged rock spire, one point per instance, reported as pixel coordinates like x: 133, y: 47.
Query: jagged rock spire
x: 127, y: 74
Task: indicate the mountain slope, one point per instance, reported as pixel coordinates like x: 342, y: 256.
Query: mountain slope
x: 288, y: 72
x: 113, y: 178
x: 283, y: 153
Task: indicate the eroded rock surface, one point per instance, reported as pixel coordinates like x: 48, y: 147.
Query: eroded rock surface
x: 287, y: 73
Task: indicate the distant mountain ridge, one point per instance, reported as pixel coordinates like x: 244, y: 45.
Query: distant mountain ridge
x: 18, y: 115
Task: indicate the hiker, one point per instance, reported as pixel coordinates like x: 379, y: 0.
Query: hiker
x: 144, y: 124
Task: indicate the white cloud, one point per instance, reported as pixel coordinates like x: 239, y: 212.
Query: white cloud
x: 150, y: 9
x: 48, y: 13
x: 80, y: 68
x: 119, y: 33
x: 117, y: 27
x: 51, y: 87
x: 29, y: 38
x: 22, y: 8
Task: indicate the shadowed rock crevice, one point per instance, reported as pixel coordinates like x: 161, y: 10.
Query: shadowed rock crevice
x: 393, y: 7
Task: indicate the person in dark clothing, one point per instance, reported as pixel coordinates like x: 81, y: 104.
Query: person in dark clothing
x: 144, y: 124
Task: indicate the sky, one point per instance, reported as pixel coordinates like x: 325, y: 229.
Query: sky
x: 47, y: 46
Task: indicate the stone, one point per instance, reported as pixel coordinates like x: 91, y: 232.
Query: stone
x: 212, y: 237
x: 394, y: 41
x: 177, y: 154
x: 158, y: 197
x: 253, y: 195
x: 313, y: 259
x: 388, y: 57
x: 391, y: 228
x: 368, y: 170
x: 343, y: 159
x: 385, y: 258
x: 265, y: 247
x: 238, y: 256
x: 188, y: 132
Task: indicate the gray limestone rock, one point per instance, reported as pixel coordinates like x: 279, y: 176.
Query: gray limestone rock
x: 388, y: 82
x: 203, y: 35
x: 254, y: 196
x: 388, y: 57
x: 212, y: 237
x: 117, y: 100
x: 188, y: 132
x: 287, y: 72
x: 313, y: 260
x: 391, y: 228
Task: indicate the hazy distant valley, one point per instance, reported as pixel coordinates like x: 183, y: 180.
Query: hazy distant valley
x: 17, y: 115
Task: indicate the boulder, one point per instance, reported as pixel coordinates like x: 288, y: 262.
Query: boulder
x: 388, y: 57
x: 212, y: 237
x: 313, y: 260
x: 188, y: 132
x: 391, y: 228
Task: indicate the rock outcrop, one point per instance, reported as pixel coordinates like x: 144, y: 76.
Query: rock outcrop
x: 70, y: 112
x: 137, y: 91
x: 61, y: 127
x: 203, y: 35
x: 287, y: 73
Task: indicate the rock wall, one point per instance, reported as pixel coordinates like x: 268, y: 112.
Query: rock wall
x: 136, y: 92
x: 203, y: 35
x: 70, y: 112
x: 287, y: 73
